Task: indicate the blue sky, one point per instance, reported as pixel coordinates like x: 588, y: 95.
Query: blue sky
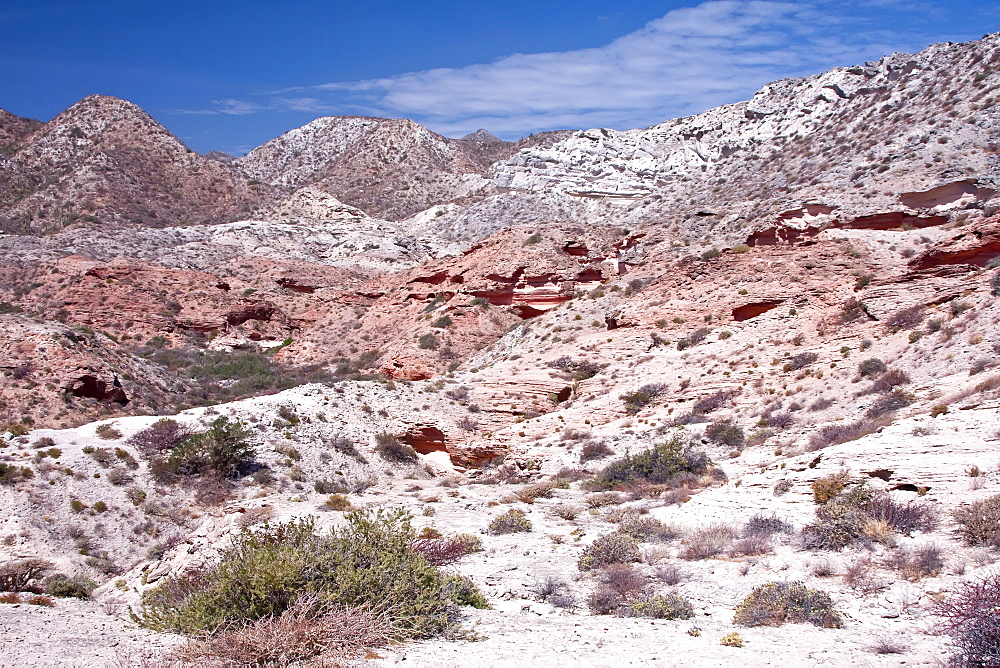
x: 229, y: 75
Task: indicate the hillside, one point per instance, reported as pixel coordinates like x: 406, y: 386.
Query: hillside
x: 624, y: 379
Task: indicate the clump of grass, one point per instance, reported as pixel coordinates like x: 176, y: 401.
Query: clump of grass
x: 390, y: 448
x: 979, y: 522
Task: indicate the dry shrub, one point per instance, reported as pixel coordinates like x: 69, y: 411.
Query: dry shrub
x: 44, y: 601
x: 554, y: 590
x: 602, y: 499
x: 776, y: 603
x: 979, y: 522
x: 750, y: 546
x: 21, y: 574
x: 664, y: 606
x: 828, y: 487
x: 512, y: 521
x: 625, y: 580
x: 917, y: 562
x: 970, y: 617
x: 903, y: 517
x: 647, y: 529
x: 707, y: 542
x: 307, y: 629
x: 529, y: 493
x: 10, y: 597
x: 594, y: 450
x: 613, y: 548
x: 888, y: 381
x: 443, y: 551
x: 889, y: 403
x: 159, y: 437
x: 765, y: 525
x: 842, y: 432
x: 566, y: 511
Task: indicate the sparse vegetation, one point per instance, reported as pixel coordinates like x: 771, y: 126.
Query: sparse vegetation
x: 512, y: 521
x: 777, y: 603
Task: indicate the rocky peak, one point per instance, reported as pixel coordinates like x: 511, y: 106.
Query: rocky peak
x: 482, y: 136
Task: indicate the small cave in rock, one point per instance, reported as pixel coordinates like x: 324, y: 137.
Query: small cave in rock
x: 881, y: 474
x: 526, y: 311
x: 563, y: 394
x: 250, y: 312
x: 433, y: 279
x: 908, y: 487
x: 425, y: 440
x: 747, y: 311
x: 294, y: 286
x: 893, y: 220
x: 576, y: 249
x: 93, y: 388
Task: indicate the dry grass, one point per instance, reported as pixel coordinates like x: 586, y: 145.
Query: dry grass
x: 306, y: 630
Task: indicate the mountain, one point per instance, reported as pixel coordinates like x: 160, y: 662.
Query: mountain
x: 105, y: 161
x: 689, y: 366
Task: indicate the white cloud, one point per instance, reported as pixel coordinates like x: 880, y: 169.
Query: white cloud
x: 687, y: 61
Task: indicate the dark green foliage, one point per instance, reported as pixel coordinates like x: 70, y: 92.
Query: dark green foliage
x: 223, y: 449
x: 871, y: 367
x: 365, y: 562
x: 840, y: 521
x: 799, y: 361
x: 533, y: 239
x: 442, y: 322
x: 776, y: 603
x: 889, y: 403
x: 578, y: 370
x: 69, y: 586
x: 428, y: 342
x: 726, y: 433
x: 662, y: 463
x: 10, y: 474
x: 644, y: 396
x: 392, y: 449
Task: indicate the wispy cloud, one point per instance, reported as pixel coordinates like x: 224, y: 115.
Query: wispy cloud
x: 687, y: 61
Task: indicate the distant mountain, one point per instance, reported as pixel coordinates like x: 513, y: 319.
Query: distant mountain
x: 106, y: 161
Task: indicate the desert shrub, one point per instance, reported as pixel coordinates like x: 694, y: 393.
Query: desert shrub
x: 224, y: 449
x: 707, y: 542
x: 566, y: 511
x: 338, y: 502
x: 777, y: 603
x: 427, y: 341
x: 612, y: 548
x: 839, y: 522
x: 725, y: 433
x: 781, y: 420
x: 889, y: 403
x: 554, y: 590
x: 751, y: 545
x: 365, y: 562
x: 799, y: 361
x: 512, y: 521
x: 663, y: 463
x: 159, y: 437
x: 592, y: 450
x: 782, y: 487
x: 995, y: 284
x: 107, y: 431
x: 765, y: 525
x: 69, y: 586
x: 712, y: 402
x: 852, y: 310
x: 969, y: 616
x: 44, y: 442
x: 917, y: 562
x: 309, y: 627
x: 20, y: 575
x: 979, y: 522
x: 647, y: 529
x: 43, y: 601
x: 903, y: 517
x: 889, y: 380
x: 906, y: 318
x: 103, y: 456
x: 329, y: 486
x: 665, y: 606
x: 529, y: 493
x: 577, y: 369
x: 390, y: 448
x: 731, y: 640
x: 871, y: 367
x: 443, y: 551
x: 644, y: 396
x: 10, y: 474
x: 828, y: 487
x: 442, y: 322
x: 842, y: 432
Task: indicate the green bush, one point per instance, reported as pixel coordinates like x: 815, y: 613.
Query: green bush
x: 776, y: 603
x: 668, y: 606
x: 69, y: 586
x: 613, y: 548
x: 663, y: 463
x: 725, y: 433
x: 223, y: 449
x: 442, y: 322
x: 365, y: 562
x: 11, y: 474
x: 428, y: 342
x: 512, y: 521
